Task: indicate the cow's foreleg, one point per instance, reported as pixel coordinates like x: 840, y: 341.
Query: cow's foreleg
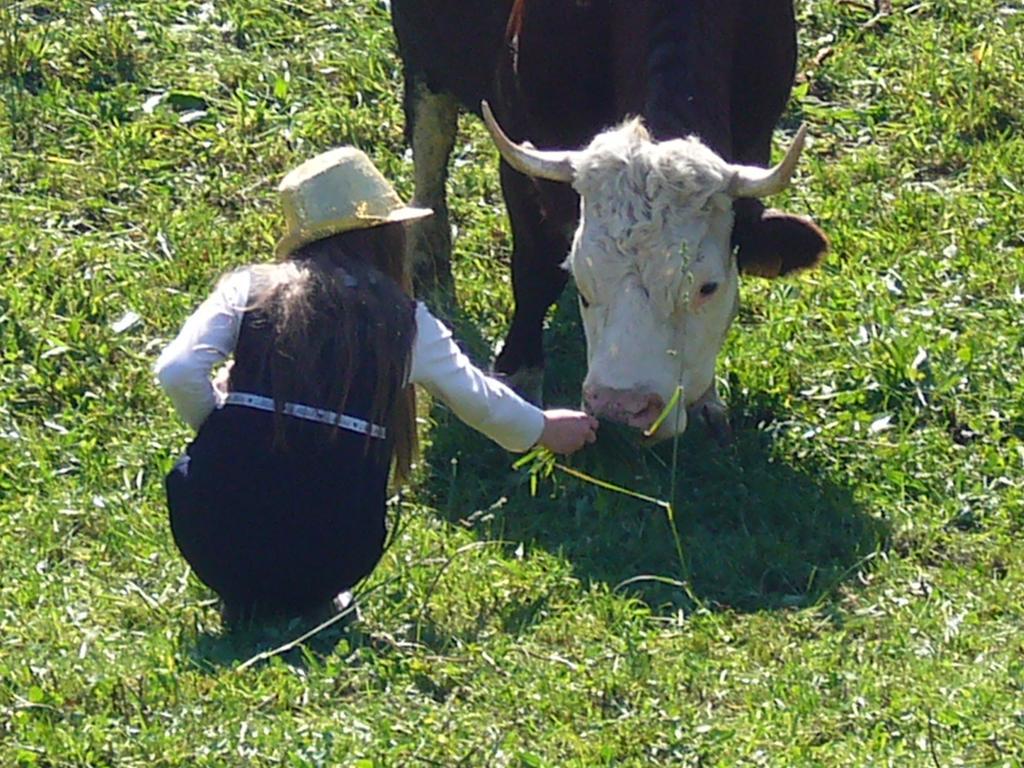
x: 431, y: 120
x: 537, y: 281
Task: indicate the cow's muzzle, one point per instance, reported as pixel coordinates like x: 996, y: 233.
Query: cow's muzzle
x: 635, y: 408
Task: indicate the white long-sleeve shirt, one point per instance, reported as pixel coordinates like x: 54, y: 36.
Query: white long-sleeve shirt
x: 210, y: 334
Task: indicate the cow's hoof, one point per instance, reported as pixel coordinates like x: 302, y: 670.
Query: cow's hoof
x: 527, y: 382
x: 712, y: 413
x: 716, y: 421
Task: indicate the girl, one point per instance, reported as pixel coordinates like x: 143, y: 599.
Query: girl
x: 279, y: 502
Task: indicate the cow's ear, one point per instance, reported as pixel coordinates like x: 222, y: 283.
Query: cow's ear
x: 777, y: 243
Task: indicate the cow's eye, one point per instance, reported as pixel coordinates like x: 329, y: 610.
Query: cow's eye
x: 584, y: 302
x: 708, y: 288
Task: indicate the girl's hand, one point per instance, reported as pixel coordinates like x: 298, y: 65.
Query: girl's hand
x: 567, y: 431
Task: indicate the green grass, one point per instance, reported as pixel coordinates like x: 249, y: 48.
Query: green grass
x: 853, y: 571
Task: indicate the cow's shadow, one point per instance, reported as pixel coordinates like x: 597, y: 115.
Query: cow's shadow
x: 755, y: 530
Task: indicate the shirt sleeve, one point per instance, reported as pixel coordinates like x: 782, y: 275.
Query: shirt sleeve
x: 480, y: 401
x: 208, y: 337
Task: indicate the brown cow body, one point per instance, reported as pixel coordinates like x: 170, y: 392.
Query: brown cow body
x: 558, y: 72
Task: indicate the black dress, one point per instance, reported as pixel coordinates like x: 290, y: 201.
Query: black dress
x: 279, y: 528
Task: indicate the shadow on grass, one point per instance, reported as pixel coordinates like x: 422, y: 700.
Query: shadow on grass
x: 214, y: 651
x: 757, y: 531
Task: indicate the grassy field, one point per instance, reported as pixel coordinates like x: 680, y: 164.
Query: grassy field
x: 849, y: 586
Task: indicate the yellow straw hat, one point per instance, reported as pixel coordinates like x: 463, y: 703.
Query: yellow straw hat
x: 334, y: 192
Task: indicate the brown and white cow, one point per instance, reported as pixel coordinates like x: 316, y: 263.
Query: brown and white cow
x: 666, y: 222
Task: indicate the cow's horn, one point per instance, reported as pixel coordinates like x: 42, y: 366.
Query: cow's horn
x: 554, y: 166
x: 751, y: 181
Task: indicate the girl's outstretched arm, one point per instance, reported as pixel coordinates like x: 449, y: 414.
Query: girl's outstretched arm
x: 486, y: 404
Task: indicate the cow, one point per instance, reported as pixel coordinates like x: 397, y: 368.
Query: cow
x: 656, y: 215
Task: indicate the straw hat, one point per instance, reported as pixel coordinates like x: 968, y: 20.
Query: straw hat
x: 334, y: 192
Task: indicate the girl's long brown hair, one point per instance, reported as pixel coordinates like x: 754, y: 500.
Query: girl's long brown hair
x: 347, y: 299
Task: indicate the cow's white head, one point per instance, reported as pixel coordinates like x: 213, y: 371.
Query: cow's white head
x: 653, y: 262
